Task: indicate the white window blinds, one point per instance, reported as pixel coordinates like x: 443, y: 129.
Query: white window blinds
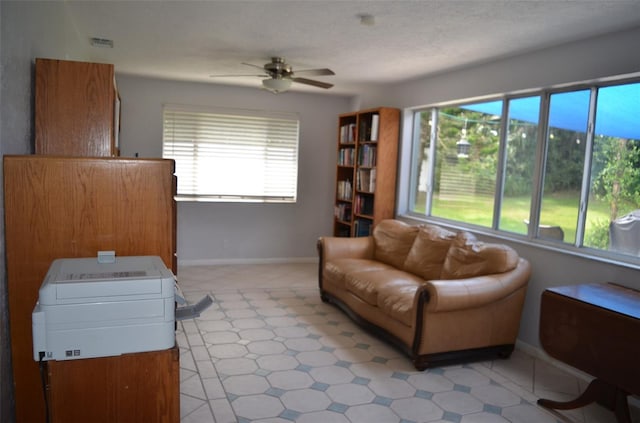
x: 232, y: 155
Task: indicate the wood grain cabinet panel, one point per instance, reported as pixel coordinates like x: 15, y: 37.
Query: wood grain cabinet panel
x: 74, y: 207
x: 76, y: 108
x: 140, y: 387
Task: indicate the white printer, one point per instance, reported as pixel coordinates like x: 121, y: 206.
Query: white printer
x: 108, y: 306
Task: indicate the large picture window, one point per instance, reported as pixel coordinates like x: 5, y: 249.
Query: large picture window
x: 232, y: 155
x: 557, y: 166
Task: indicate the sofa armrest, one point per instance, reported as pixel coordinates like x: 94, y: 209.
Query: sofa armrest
x: 340, y: 247
x: 459, y: 294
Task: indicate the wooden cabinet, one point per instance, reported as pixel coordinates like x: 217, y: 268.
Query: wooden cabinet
x: 366, y: 170
x: 140, y: 387
x: 74, y: 207
x: 77, y: 109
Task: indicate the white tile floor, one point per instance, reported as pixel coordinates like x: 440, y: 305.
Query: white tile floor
x: 268, y: 350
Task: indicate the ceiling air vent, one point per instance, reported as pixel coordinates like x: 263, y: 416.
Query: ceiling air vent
x: 101, y: 42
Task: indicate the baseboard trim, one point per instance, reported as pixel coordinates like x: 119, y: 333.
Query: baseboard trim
x: 276, y: 260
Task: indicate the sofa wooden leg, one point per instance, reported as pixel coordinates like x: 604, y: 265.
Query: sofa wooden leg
x: 420, y: 364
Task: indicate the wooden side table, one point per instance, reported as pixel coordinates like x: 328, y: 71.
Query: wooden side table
x: 595, y: 328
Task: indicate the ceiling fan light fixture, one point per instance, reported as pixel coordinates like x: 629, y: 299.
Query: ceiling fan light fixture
x: 276, y: 85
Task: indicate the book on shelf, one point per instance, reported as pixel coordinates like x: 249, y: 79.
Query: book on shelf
x: 364, y: 205
x: 375, y: 123
x: 372, y: 180
x: 366, y: 180
x: 344, y: 190
x: 343, y: 212
x: 361, y: 179
x: 364, y: 131
x: 345, y: 156
x: 369, y: 127
x: 362, y: 227
x: 367, y: 155
x: 348, y: 133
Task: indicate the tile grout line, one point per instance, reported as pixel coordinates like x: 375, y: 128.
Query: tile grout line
x: 206, y: 399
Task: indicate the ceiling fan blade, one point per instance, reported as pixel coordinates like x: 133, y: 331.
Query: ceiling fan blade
x: 255, y: 66
x: 316, y: 72
x: 318, y: 84
x: 264, y: 75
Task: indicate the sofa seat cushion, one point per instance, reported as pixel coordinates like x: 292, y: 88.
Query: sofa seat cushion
x: 396, y: 300
x: 393, y: 240
x: 367, y: 285
x: 336, y: 269
x: 428, y: 252
x: 469, y: 257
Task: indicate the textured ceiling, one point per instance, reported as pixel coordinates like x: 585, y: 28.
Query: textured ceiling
x: 190, y: 40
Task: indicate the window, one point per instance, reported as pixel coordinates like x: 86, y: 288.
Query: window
x: 559, y: 166
x: 613, y: 217
x: 464, y: 165
x: 520, y: 159
x: 564, y: 164
x: 232, y: 155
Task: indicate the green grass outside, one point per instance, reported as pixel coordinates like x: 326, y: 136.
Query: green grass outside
x: 559, y: 209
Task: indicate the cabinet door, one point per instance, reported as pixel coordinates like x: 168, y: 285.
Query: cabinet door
x: 75, y: 106
x: 140, y: 387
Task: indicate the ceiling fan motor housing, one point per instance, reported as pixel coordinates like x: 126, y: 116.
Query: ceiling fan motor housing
x: 278, y: 68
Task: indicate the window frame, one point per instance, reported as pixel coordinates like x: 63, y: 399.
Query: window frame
x: 408, y: 203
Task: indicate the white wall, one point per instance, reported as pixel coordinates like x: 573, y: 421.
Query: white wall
x: 585, y: 60
x: 227, y: 232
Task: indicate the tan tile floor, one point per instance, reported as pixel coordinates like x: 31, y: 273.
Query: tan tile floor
x: 268, y: 350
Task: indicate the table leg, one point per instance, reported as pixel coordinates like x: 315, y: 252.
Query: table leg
x: 609, y: 396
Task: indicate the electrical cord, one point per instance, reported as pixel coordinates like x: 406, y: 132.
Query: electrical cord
x: 44, y: 385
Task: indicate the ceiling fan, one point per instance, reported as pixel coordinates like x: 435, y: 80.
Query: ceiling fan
x: 279, y: 75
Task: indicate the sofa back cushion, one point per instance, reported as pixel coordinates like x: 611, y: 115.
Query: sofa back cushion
x: 428, y: 252
x: 393, y: 240
x: 467, y: 257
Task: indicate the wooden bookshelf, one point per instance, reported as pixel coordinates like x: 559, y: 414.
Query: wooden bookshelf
x: 366, y: 170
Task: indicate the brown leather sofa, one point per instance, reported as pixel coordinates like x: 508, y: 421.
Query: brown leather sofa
x: 442, y: 297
